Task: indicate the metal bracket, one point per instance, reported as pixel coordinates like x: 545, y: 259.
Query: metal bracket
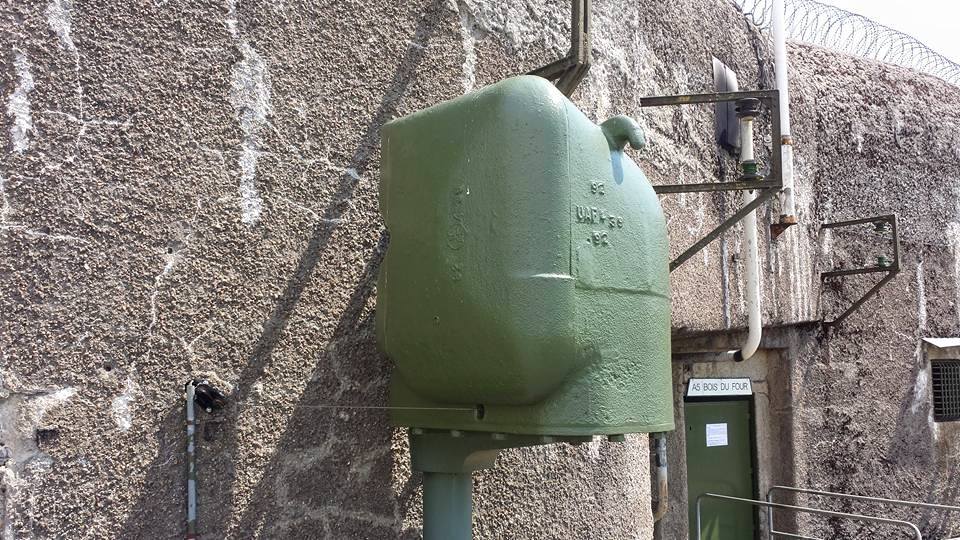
x: 769, y: 185
x: 568, y: 71
x: 892, y: 268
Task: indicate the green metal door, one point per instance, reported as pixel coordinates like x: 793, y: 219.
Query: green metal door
x: 720, y: 460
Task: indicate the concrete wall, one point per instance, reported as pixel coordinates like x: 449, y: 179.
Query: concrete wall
x: 879, y: 139
x: 189, y: 188
x: 856, y: 410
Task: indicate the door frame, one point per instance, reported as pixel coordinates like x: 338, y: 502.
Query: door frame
x: 754, y: 450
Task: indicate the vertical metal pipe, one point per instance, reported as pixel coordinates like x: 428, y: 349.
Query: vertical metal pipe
x: 751, y: 280
x: 663, y: 488
x: 191, y: 463
x: 447, y: 506
x: 751, y: 249
x: 787, y: 206
x: 770, y: 516
x: 699, y: 527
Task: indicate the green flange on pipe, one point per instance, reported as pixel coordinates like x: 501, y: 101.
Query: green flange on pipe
x: 447, y: 506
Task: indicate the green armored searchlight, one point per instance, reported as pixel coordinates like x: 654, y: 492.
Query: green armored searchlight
x: 524, y: 296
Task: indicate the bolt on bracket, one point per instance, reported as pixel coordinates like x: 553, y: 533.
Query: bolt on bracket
x: 882, y: 224
x: 769, y: 185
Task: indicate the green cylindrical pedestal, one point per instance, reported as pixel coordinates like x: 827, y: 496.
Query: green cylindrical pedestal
x: 447, y: 506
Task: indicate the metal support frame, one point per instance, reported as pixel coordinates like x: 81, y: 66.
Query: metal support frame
x: 847, y: 496
x: 768, y: 186
x: 802, y: 509
x: 568, y: 71
x: 891, y: 270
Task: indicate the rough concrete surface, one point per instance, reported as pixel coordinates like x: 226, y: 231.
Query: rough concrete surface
x: 879, y: 139
x: 190, y: 189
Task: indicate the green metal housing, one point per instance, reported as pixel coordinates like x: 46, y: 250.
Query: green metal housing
x: 525, y: 289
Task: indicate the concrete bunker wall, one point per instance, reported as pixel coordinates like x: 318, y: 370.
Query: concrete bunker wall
x: 190, y: 189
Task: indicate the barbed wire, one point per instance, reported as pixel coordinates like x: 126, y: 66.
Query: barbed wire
x: 812, y: 22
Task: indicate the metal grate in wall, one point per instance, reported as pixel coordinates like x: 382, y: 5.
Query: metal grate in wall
x: 946, y: 390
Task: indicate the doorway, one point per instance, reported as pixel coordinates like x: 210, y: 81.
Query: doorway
x: 721, y: 459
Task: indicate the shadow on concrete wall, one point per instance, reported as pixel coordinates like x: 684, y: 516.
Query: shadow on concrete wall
x: 332, y: 470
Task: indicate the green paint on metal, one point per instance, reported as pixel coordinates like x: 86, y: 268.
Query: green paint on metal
x: 447, y: 458
x: 621, y: 130
x: 720, y: 465
x: 453, y: 451
x: 447, y: 506
x: 527, y: 270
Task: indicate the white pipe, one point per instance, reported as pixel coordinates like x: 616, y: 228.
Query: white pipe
x: 751, y: 254
x: 787, y: 205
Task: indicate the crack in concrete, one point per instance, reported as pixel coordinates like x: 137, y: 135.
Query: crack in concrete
x: 31, y: 233
x: 188, y: 345
x: 313, y: 214
x: 171, y: 257
x: 13, y: 227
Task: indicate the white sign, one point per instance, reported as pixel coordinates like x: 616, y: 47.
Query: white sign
x: 716, y: 435
x: 720, y: 387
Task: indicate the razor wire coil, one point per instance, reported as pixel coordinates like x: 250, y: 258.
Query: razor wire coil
x: 809, y: 21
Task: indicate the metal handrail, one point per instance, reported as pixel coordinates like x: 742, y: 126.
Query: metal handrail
x: 834, y: 495
x: 782, y: 534
x: 803, y: 509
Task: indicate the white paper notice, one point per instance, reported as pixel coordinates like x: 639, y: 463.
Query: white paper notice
x: 716, y: 435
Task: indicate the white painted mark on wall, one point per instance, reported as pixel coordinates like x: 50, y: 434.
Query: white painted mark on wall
x: 45, y: 403
x: 4, y: 202
x: 59, y: 17
x: 953, y: 234
x: 231, y: 20
x: 250, y: 97
x: 470, y: 32
x: 120, y: 407
x: 801, y: 271
x: 18, y: 105
x: 921, y: 299
x: 593, y: 450
x: 920, y: 396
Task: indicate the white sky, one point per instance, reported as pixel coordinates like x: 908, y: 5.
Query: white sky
x: 935, y: 23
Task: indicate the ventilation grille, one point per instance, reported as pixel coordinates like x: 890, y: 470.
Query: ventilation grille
x: 946, y: 390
